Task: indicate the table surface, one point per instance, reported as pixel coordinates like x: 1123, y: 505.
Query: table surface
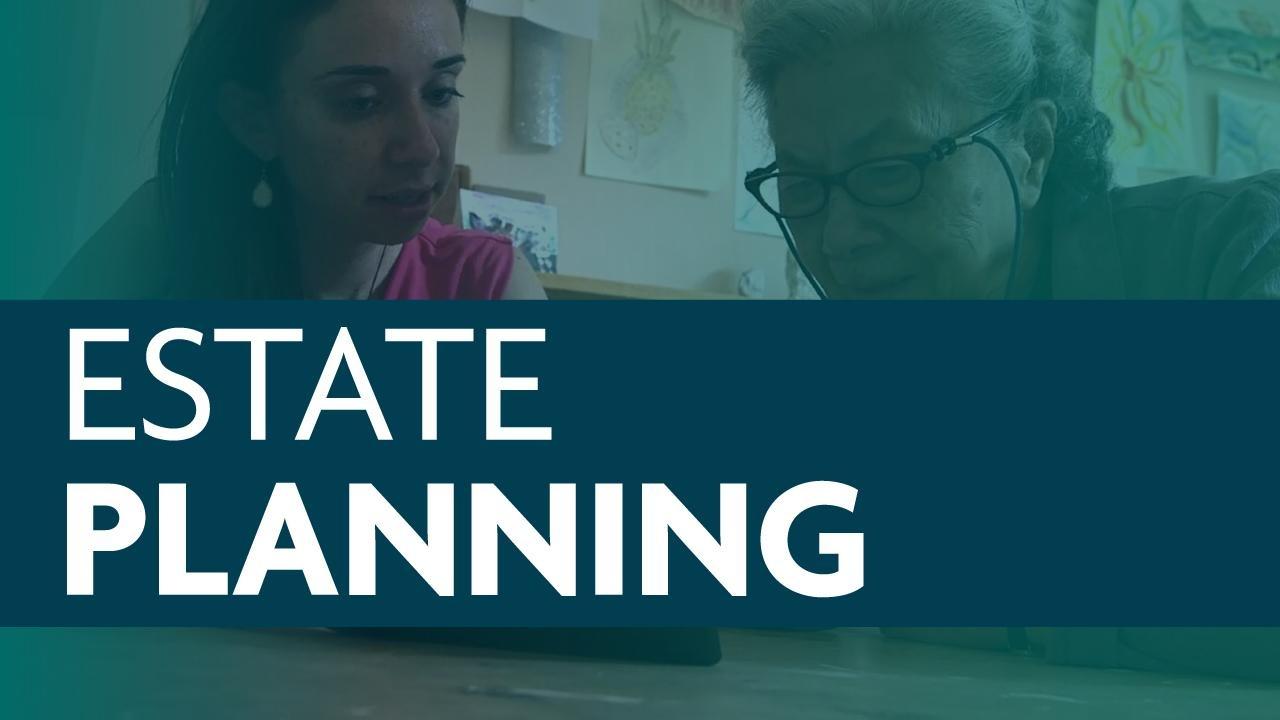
x: 846, y: 674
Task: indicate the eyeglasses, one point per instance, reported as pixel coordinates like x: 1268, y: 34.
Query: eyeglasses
x: 884, y: 182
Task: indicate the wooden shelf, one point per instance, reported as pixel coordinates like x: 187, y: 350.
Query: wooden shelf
x: 564, y: 287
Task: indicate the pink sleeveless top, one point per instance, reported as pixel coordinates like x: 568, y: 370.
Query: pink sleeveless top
x: 446, y: 263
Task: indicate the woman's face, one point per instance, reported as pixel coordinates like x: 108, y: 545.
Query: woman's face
x: 366, y: 121
x: 881, y: 99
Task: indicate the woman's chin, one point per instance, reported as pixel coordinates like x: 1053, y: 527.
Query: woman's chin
x: 908, y: 288
x: 395, y: 228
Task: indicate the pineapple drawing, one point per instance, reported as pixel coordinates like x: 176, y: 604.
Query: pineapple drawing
x: 647, y: 108
x: 649, y: 98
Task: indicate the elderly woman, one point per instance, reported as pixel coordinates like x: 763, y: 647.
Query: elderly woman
x: 952, y: 149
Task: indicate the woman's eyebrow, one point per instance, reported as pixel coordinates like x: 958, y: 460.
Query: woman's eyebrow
x: 854, y: 148
x: 381, y: 71
x: 888, y: 130
x: 358, y: 71
x: 449, y: 62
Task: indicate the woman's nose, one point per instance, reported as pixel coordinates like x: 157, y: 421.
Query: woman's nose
x: 845, y: 230
x: 413, y: 141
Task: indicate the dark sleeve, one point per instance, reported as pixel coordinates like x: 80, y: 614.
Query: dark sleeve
x: 1247, y: 228
x: 127, y: 259
x: 1261, y: 278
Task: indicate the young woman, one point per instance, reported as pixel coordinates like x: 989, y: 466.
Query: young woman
x: 303, y: 147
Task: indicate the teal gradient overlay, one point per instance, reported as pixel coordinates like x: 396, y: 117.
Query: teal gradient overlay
x: 56, y: 674
x: 84, y: 84
x: 247, y: 674
x: 48, y: 50
x: 102, y: 673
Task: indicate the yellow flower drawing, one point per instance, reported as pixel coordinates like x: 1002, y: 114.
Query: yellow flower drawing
x: 1142, y: 80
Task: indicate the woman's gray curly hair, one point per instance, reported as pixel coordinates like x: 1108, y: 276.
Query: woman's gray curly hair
x: 1004, y: 53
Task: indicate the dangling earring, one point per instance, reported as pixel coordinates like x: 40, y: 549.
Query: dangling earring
x: 263, y: 196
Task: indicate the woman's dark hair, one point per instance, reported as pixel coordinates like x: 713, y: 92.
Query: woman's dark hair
x: 226, y: 247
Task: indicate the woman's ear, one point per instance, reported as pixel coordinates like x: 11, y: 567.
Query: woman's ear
x: 246, y: 114
x: 1039, y: 135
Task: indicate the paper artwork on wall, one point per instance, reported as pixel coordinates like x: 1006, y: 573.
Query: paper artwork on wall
x: 1240, y: 36
x: 532, y: 227
x: 661, y: 97
x: 1248, y: 136
x: 1141, y: 82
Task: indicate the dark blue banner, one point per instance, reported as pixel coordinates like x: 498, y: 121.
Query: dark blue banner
x: 1006, y: 465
